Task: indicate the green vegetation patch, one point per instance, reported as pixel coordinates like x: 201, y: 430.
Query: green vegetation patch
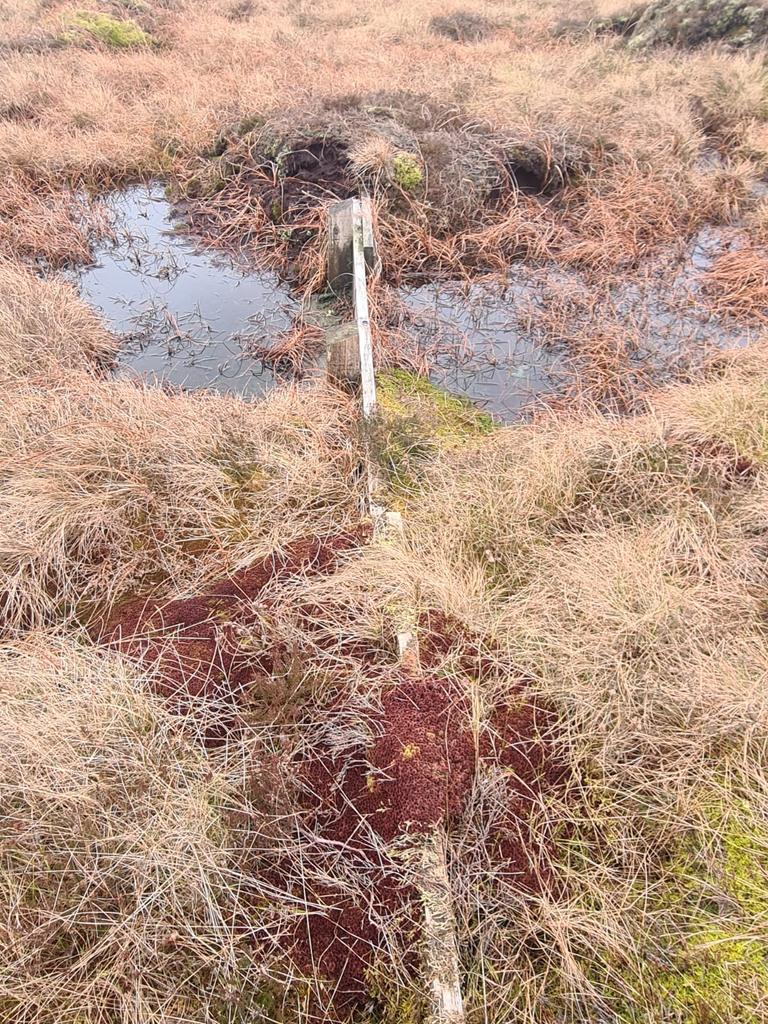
x: 407, y: 172
x: 114, y: 32
x: 416, y: 420
x: 719, y: 898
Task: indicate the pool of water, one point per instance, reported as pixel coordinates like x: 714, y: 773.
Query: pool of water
x: 193, y: 318
x: 187, y: 316
x: 506, y: 345
x: 477, y: 347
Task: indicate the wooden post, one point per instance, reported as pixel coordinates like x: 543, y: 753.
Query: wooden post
x: 340, y: 247
x: 341, y: 220
x: 441, y: 959
x: 351, y: 253
x: 342, y: 346
x: 361, y: 227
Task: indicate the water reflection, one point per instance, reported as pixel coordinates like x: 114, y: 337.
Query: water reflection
x: 187, y: 316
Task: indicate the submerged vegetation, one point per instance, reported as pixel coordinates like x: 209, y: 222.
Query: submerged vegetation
x: 222, y: 768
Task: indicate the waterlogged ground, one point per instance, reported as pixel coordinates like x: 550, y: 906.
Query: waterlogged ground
x: 187, y: 316
x: 193, y: 318
x: 545, y: 330
x: 478, y: 349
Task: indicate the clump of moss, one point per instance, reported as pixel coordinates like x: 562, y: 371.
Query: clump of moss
x: 407, y: 172
x: 697, y: 952
x: 415, y: 420
x: 453, y: 416
x: 716, y: 910
x: 114, y: 32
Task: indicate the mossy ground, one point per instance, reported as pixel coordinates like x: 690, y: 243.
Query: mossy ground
x: 407, y: 172
x: 702, y: 933
x: 116, y: 33
x: 416, y: 420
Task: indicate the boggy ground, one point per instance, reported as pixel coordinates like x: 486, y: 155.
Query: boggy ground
x: 217, y: 773
x: 485, y: 137
x: 225, y: 658
x: 233, y: 779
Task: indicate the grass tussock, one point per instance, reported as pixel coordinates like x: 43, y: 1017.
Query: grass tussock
x: 737, y: 284
x: 111, y: 488
x: 609, y: 571
x: 587, y: 590
x: 121, y: 896
x: 45, y: 224
x: 45, y: 327
x: 497, y: 140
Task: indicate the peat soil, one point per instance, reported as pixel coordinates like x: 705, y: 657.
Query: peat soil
x: 362, y: 807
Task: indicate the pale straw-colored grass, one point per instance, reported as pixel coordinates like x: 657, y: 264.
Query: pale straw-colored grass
x: 112, y: 487
x: 123, y: 896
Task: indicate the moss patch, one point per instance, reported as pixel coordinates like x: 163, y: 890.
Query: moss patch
x: 714, y: 905
x: 415, y: 420
x: 112, y: 32
x: 407, y: 172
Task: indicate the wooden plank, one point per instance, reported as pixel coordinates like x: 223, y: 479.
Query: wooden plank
x: 440, y: 954
x: 351, y: 255
x: 360, y: 296
x: 340, y: 230
x: 342, y: 347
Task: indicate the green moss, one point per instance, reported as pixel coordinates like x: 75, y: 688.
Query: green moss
x: 450, y: 417
x: 700, y: 954
x: 121, y: 35
x: 407, y: 172
x: 415, y: 420
x: 716, y: 908
x: 723, y: 978
x: 745, y: 862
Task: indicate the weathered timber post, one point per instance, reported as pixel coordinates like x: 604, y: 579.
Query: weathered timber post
x: 342, y: 355
x: 341, y: 217
x: 440, y: 955
x: 351, y: 253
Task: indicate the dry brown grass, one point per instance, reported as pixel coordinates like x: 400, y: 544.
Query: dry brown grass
x: 90, y: 115
x: 619, y: 568
x: 45, y: 328
x: 46, y: 223
x: 122, y: 895
x: 616, y: 566
x: 111, y: 488
x: 293, y: 349
x: 736, y: 285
